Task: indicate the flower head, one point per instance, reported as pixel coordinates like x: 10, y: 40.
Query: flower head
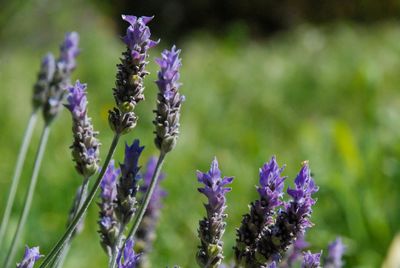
x: 169, y: 100
x: 336, y: 249
x: 271, y: 183
x: 127, y: 186
x: 85, y: 148
x: 45, y: 76
x: 212, y: 227
x: 69, y: 51
x: 128, y: 258
x: 30, y: 257
x: 311, y: 260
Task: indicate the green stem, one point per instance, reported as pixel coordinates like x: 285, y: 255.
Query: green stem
x: 62, y: 254
x: 28, y: 197
x: 61, y: 243
x: 146, y: 199
x: 17, y: 174
x: 117, y: 246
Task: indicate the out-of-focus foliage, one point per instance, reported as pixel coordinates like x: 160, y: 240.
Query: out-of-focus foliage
x: 179, y: 17
x: 329, y: 95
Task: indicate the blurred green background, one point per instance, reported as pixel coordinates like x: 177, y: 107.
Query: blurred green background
x: 328, y: 93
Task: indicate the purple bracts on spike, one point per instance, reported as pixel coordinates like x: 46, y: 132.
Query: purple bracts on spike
x: 212, y: 227
x: 261, y: 212
x: 42, y: 84
x: 108, y: 223
x: 127, y: 186
x: 130, y: 258
x: 311, y: 260
x: 69, y: 51
x: 292, y: 221
x: 129, y: 87
x: 146, y: 232
x: 65, y: 64
x: 336, y: 249
x: 169, y: 100
x: 85, y: 148
x: 30, y: 257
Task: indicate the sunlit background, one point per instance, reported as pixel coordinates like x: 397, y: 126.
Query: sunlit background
x: 300, y: 80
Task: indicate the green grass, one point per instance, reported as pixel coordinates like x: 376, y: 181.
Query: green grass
x: 329, y: 95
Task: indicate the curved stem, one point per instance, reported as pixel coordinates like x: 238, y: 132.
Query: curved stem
x: 146, y: 199
x: 117, y: 247
x: 28, y: 197
x: 17, y: 173
x: 61, y: 243
x: 62, y: 254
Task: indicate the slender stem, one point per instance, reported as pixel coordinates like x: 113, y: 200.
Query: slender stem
x: 17, y: 173
x: 28, y: 197
x: 146, y: 199
x: 62, y: 254
x: 117, y: 246
x: 61, y: 243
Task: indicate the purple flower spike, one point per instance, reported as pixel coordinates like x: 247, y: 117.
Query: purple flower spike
x: 30, y: 257
x: 138, y: 36
x: 169, y: 100
x: 85, y: 148
x: 261, y: 212
x: 69, y: 51
x: 311, y: 260
x: 336, y: 249
x: 292, y: 221
x: 127, y: 186
x: 65, y: 64
x: 212, y: 227
x: 129, y: 84
x: 130, y: 258
x: 107, y: 220
x: 45, y: 76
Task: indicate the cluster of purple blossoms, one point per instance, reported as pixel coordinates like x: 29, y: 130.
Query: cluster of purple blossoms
x: 127, y: 186
x: 129, y: 85
x: 261, y: 211
x: 146, y: 232
x: 61, y: 76
x: 169, y: 100
x: 127, y: 258
x: 108, y: 223
x: 31, y: 255
x: 311, y: 260
x: 212, y: 227
x: 45, y: 76
x: 85, y: 148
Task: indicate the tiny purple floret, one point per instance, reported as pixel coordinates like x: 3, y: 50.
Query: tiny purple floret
x: 311, y: 260
x: 131, y: 259
x: 30, y: 257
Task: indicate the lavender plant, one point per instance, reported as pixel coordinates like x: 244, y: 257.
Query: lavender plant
x: 212, y: 227
x: 31, y: 256
x: 48, y: 94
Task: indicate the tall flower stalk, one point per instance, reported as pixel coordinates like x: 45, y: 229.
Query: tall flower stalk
x: 169, y: 101
x: 40, y: 88
x: 128, y: 92
x: 51, y: 99
x: 212, y: 227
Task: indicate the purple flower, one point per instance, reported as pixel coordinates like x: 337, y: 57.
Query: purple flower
x: 137, y: 36
x: 129, y: 84
x: 294, y: 252
x: 85, y: 148
x: 311, y: 260
x: 336, y: 249
x: 65, y: 64
x: 30, y: 257
x: 107, y: 219
x: 212, y: 227
x: 69, y: 51
x: 261, y: 211
x: 272, y: 265
x: 42, y: 84
x: 169, y: 100
x: 130, y: 258
x: 127, y: 186
x: 292, y: 221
